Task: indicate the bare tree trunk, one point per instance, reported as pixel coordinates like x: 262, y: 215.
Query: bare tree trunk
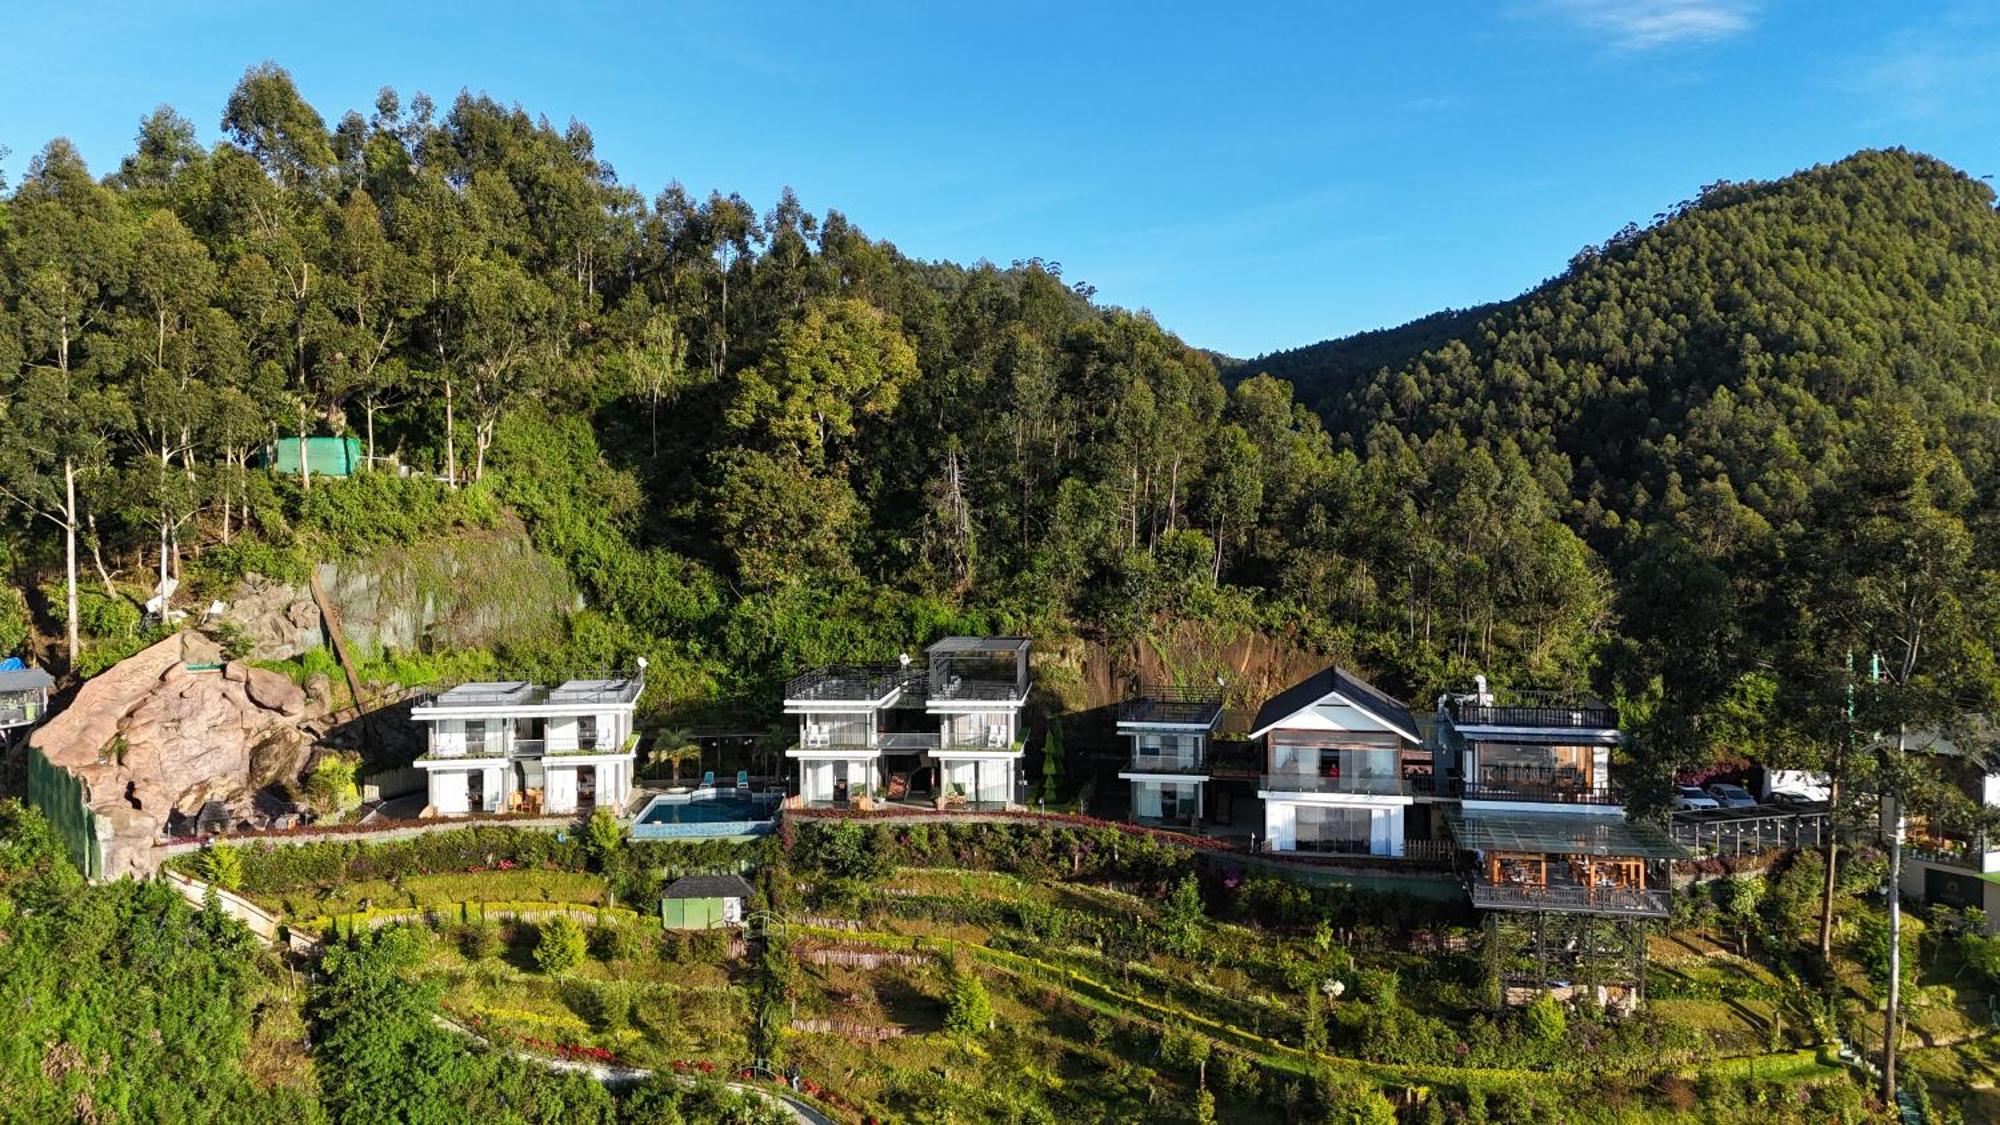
x: 450, y: 442
x: 69, y: 549
x: 1832, y: 860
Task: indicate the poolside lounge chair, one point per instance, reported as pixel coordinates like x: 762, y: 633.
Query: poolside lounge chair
x: 743, y: 780
x: 708, y: 779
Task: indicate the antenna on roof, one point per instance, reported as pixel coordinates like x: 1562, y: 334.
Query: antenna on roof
x: 903, y: 658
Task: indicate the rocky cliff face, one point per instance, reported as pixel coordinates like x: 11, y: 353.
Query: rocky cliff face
x: 153, y: 736
x: 469, y: 590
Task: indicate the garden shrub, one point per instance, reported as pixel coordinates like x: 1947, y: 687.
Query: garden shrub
x: 559, y: 946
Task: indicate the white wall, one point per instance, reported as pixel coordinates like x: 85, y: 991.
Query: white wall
x: 558, y: 788
x: 448, y: 792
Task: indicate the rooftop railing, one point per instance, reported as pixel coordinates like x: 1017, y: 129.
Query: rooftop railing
x: 848, y: 683
x: 1555, y: 710
x: 1155, y: 703
x: 1539, y: 790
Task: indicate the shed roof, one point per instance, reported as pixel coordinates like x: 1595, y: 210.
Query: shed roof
x: 709, y: 886
x: 997, y: 646
x: 25, y: 679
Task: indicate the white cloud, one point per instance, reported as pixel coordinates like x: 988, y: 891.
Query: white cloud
x: 1949, y: 66
x: 1643, y: 25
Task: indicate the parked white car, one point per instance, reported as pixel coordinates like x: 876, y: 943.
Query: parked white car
x: 1731, y: 796
x: 1688, y: 797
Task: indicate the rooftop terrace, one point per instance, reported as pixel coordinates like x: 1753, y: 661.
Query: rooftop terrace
x: 1174, y: 706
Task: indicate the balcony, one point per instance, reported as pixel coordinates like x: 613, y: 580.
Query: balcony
x: 885, y: 742
x: 1391, y: 785
x: 1631, y: 902
x: 1543, y: 788
x: 476, y: 748
x: 1167, y: 763
x: 1544, y: 710
x: 577, y: 746
x: 1197, y: 707
x: 1962, y: 854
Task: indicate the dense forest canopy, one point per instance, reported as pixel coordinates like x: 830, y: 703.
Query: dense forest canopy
x: 760, y: 438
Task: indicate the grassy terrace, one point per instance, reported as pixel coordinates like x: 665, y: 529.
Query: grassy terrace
x: 1121, y: 987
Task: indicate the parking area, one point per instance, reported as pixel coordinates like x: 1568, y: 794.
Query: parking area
x: 1747, y: 831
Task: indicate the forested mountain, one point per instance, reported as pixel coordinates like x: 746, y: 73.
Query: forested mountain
x: 1320, y: 372
x: 761, y: 439
x: 1707, y: 400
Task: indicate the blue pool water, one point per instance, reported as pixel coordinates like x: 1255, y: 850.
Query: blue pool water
x: 709, y: 813
x: 705, y: 811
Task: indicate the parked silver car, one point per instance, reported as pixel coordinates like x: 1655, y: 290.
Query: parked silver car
x: 1689, y: 797
x: 1731, y: 796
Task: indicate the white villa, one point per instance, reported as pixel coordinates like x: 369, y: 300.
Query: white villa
x: 1334, y: 776
x: 513, y: 746
x: 950, y: 732
x: 1169, y: 729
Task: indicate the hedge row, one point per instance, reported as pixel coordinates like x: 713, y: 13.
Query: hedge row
x: 274, y: 868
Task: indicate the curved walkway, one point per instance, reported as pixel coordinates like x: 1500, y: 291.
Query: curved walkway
x: 800, y: 1109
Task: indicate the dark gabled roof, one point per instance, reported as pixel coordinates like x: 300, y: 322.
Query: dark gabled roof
x: 709, y: 886
x: 1337, y: 680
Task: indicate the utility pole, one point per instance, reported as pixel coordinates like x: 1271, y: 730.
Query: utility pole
x: 1892, y: 823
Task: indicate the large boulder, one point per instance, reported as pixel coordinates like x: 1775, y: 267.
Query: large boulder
x: 164, y: 731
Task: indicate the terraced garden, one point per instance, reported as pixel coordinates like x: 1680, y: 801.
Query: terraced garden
x: 987, y: 972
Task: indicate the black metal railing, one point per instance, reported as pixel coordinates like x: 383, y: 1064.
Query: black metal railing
x: 960, y: 690
x: 848, y: 683
x: 1166, y: 703
x: 1630, y: 901
x: 1534, y: 709
x: 1548, y: 791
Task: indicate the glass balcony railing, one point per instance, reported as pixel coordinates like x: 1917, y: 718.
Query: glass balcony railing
x: 1167, y: 763
x: 1373, y: 785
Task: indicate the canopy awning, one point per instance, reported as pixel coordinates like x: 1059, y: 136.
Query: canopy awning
x: 1560, y: 834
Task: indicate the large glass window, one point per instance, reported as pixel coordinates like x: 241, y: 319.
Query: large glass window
x: 1514, y: 766
x: 1358, y: 769
x: 1333, y: 830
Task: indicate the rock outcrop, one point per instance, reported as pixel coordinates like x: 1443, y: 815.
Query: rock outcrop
x: 469, y: 589
x: 166, y: 731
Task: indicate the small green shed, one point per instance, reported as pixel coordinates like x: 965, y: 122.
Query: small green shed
x: 704, y: 902
x: 325, y: 456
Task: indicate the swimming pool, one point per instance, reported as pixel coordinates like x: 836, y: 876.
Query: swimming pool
x: 705, y: 812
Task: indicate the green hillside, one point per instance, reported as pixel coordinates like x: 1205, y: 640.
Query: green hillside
x: 1728, y: 405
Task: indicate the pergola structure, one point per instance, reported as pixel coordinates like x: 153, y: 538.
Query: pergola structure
x: 1569, y: 895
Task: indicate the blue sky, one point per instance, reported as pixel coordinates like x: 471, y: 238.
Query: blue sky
x: 1258, y: 176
